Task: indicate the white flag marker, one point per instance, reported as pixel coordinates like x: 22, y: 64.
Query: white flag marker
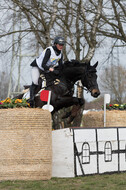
x: 106, y: 101
x: 48, y: 106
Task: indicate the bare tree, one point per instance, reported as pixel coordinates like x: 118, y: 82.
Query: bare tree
x: 83, y: 23
x: 39, y: 18
x: 115, y: 83
x: 114, y: 20
x: 4, y: 78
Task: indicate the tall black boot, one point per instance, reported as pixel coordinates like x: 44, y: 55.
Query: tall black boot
x: 32, y: 94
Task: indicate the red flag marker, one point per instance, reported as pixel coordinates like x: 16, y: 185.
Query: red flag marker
x: 44, y: 95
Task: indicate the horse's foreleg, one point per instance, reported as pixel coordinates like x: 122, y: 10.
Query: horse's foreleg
x: 67, y: 114
x: 77, y: 103
x: 65, y: 102
x: 74, y: 111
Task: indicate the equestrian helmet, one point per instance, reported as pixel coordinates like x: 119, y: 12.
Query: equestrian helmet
x: 59, y: 40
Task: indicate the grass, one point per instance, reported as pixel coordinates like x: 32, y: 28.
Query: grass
x: 94, y: 182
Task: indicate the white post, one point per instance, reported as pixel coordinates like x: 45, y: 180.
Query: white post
x: 48, y: 103
x: 106, y: 101
x: 104, y: 112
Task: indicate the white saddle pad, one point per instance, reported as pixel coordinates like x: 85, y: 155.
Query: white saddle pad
x: 26, y: 95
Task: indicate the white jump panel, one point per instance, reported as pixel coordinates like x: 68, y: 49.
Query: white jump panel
x: 63, y: 153
x: 107, y: 146
x: 83, y: 163
x: 80, y: 151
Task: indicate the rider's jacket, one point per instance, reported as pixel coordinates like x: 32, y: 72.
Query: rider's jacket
x: 53, y: 60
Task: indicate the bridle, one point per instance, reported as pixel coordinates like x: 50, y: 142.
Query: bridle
x: 84, y: 88
x: 57, y: 81
x: 89, y: 86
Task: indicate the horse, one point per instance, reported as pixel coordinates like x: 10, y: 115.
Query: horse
x: 62, y: 92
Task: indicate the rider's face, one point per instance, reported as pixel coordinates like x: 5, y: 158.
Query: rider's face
x: 59, y: 47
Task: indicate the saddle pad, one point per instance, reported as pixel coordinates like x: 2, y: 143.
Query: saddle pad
x: 26, y: 95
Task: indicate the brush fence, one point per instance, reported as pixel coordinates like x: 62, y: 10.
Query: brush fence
x: 114, y: 118
x: 80, y: 151
x: 25, y: 144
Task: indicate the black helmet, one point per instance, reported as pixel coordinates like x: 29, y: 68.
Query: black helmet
x: 59, y: 40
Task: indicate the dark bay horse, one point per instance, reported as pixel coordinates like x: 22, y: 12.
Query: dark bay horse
x: 62, y: 93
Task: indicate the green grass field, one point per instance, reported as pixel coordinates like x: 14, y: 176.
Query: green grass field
x: 94, y: 182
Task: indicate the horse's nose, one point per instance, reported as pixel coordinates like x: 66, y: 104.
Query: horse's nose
x: 95, y: 93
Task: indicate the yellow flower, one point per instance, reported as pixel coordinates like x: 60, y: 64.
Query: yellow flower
x: 2, y: 101
x: 116, y: 105
x: 18, y: 101
x: 7, y: 100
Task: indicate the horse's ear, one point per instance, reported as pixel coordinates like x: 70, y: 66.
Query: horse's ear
x: 96, y: 64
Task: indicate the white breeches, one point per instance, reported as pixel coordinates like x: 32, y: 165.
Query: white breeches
x: 35, y: 75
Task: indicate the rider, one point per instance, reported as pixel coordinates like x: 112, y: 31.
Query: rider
x: 51, y: 57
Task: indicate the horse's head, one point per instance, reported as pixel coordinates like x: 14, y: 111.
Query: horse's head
x: 89, y: 80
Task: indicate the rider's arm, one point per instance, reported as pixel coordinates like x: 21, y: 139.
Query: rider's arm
x: 45, y: 59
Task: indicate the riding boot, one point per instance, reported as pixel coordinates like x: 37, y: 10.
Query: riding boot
x: 32, y: 94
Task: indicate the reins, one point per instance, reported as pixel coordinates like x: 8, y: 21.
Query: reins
x: 56, y: 82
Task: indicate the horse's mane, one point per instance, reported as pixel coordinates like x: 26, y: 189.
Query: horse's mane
x: 76, y: 64
x: 73, y: 63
